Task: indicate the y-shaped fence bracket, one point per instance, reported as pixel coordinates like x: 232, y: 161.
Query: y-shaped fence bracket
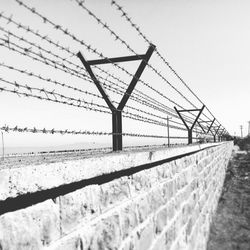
x: 220, y: 134
x: 117, y: 112
x: 189, y: 129
x: 208, y: 126
x: 214, y: 133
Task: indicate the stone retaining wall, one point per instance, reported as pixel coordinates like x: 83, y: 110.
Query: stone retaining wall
x: 162, y: 199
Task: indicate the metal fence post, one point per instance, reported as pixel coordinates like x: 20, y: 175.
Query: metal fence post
x: 168, y: 118
x: 117, y: 130
x: 189, y: 129
x: 117, y: 112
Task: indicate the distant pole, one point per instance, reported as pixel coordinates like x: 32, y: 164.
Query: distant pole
x: 3, y: 145
x: 168, y: 118
x: 249, y: 128
x: 241, y: 128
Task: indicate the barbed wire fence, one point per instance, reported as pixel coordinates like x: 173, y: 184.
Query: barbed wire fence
x: 104, y: 91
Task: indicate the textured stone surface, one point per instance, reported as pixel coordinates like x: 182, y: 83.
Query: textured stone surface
x: 114, y: 192
x: 107, y: 234
x: 4, y: 184
x: 43, y: 176
x: 30, y: 228
x: 78, y: 207
x: 129, y: 219
x: 168, y: 206
x: 145, y: 236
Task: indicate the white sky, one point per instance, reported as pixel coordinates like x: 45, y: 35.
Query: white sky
x: 206, y: 42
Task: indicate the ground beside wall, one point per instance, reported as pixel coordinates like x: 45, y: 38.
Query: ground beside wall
x: 230, y: 228
x: 161, y: 199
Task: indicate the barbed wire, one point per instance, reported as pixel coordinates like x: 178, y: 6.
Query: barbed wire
x: 128, y: 113
x: 65, y: 85
x: 28, y: 73
x: 136, y: 27
x: 46, y: 38
x: 56, y: 44
x: 56, y: 96
x: 166, y: 109
x: 70, y: 87
x: 80, y: 103
x: 49, y: 52
x: 118, y: 38
x: 110, y: 88
x: 75, y: 132
x: 45, y: 60
x: 87, y: 46
x: 49, y: 80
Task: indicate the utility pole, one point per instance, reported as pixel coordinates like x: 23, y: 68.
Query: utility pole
x: 249, y: 128
x: 241, y: 128
x: 168, y: 118
x: 3, y: 145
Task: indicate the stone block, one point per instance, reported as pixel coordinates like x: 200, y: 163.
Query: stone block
x: 79, y: 206
x: 114, y: 192
x: 73, y: 243
x: 143, y: 207
x: 168, y: 190
x: 155, y: 199
x: 161, y: 219
x: 145, y: 236
x: 171, y: 209
x: 129, y: 219
x: 30, y: 228
x: 159, y: 243
x: 143, y: 181
x: 164, y: 171
x: 128, y: 245
x: 170, y: 236
x: 32, y: 179
x: 4, y: 184
x: 106, y: 234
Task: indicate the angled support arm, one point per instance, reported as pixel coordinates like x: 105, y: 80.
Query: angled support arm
x: 211, y: 125
x: 189, y: 129
x: 197, y: 117
x: 215, y: 132
x: 199, y: 123
x: 136, y: 77
x: 182, y: 119
x: 117, y: 59
x: 96, y: 81
x: 117, y: 112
